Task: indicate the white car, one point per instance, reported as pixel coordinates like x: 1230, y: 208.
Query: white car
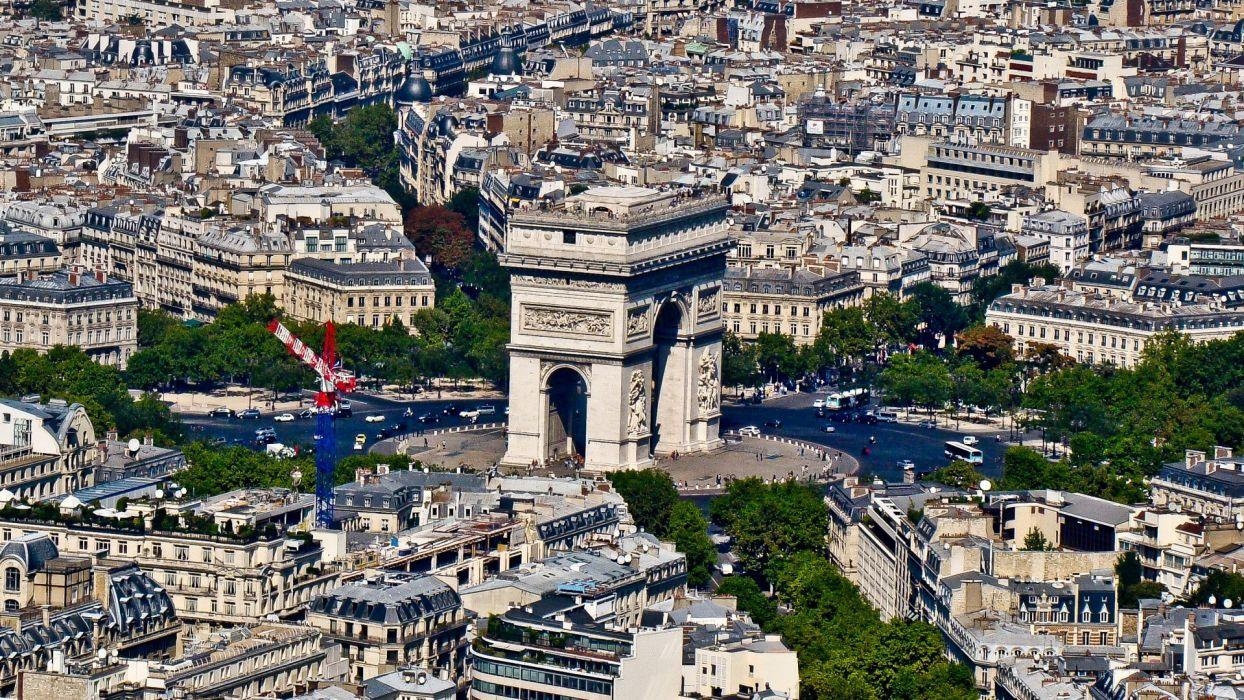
x: 749, y: 431
x: 819, y: 403
x: 969, y: 440
x: 284, y: 418
x: 830, y: 429
x: 468, y: 414
x: 375, y: 418
x: 906, y: 464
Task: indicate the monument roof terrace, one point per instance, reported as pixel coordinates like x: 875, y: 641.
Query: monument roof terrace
x: 618, y: 229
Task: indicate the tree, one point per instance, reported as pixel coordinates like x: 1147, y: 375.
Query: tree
x: 867, y: 196
x: 769, y: 522
x: 845, y: 337
x: 919, y: 379
x: 940, y: 315
x: 894, y: 322
x: 1222, y: 585
x: 749, y: 598
x: 979, y: 211
x: 688, y: 528
x: 47, y: 10
x: 441, y: 233
x: 986, y: 289
x: 1035, y: 541
x: 154, y: 326
x: 650, y: 497
x: 364, y: 139
x: 777, y: 357
x: 988, y: 346
x: 466, y: 202
x: 1131, y: 587
x: 739, y: 366
x: 958, y: 474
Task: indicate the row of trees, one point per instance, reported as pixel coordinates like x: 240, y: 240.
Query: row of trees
x: 655, y: 507
x: 68, y: 373
x: 845, y: 651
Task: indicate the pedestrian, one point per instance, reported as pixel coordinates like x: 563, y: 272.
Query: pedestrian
x: 425, y: 442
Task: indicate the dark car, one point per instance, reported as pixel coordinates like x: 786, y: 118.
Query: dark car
x: 250, y: 413
x: 428, y: 418
x: 775, y: 423
x: 218, y: 441
x: 399, y: 427
x: 868, y: 419
x: 384, y: 434
x: 307, y: 413
x: 450, y: 410
x: 343, y: 412
x: 221, y: 412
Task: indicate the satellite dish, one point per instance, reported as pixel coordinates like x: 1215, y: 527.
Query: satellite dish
x: 159, y: 493
x: 134, y: 444
x: 1227, y: 603
x: 1212, y: 600
x: 986, y: 484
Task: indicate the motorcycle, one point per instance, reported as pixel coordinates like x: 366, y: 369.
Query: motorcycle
x: 409, y: 412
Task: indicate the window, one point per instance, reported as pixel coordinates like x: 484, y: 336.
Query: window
x: 570, y: 237
x: 12, y: 579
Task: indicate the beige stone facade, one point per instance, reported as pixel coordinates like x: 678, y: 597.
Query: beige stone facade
x: 789, y: 301
x: 70, y: 307
x: 367, y: 294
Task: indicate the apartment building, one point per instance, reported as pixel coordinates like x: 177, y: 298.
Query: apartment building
x: 22, y: 252
x: 883, y: 267
x: 960, y: 171
x: 70, y: 307
x: 186, y: 13
x: 232, y: 264
x: 1142, y: 136
x: 751, y: 665
x: 1066, y: 233
x: 961, y: 118
x: 391, y: 620
x: 1103, y: 329
x: 1210, y: 487
x: 211, y: 579
x: 1186, y: 257
x: 370, y: 294
x: 528, y: 654
x: 1166, y: 543
x: 785, y: 300
x: 46, y: 449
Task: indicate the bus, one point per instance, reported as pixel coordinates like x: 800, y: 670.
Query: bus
x: 850, y: 398
x: 958, y: 450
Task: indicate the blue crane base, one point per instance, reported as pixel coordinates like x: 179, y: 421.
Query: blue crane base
x: 325, y: 465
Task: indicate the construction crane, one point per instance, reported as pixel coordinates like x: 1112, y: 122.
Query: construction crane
x: 333, y: 380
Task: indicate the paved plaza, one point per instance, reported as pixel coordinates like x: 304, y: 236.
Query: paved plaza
x: 767, y: 458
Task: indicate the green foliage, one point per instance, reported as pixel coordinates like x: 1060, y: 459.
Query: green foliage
x: 986, y: 289
x: 739, y: 364
x: 768, y: 522
x: 1035, y: 541
x: 958, y: 474
x: 942, y: 317
x: 650, y: 496
x: 867, y: 196
x: 689, y: 530
x: 68, y: 373
x: 1222, y: 585
x: 212, y: 471
x: 918, y: 379
x: 846, y: 652
x: 48, y: 10
x: 750, y: 598
x: 1131, y: 587
x: 979, y: 211
x: 364, y: 139
x: 466, y: 203
x: 777, y: 356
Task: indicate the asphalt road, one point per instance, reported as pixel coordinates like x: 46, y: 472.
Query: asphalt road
x: 895, y: 441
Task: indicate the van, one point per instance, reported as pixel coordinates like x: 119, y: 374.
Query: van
x: 486, y: 410
x: 885, y: 415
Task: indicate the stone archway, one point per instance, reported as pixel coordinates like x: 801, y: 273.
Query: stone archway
x: 565, y: 412
x: 670, y: 342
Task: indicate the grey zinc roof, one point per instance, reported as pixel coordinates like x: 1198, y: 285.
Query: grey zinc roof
x: 34, y: 549
x: 393, y: 599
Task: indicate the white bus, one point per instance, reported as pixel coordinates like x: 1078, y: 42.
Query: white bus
x: 850, y: 398
x: 958, y: 450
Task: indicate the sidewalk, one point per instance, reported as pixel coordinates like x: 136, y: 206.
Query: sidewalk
x: 235, y: 398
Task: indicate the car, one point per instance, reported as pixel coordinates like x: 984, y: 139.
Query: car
x: 384, y: 434
x: 428, y: 418
x: 284, y: 418
x: 906, y: 464
x: 774, y: 423
x: 307, y: 413
x: 749, y: 431
x: 250, y: 414
x: 398, y: 427
x: 221, y: 412
x: 374, y: 418
x: 359, y: 441
x: 218, y: 441
x: 886, y: 416
x: 926, y: 423
x: 343, y: 411
x: 819, y: 403
x: 868, y: 419
x: 345, y: 405
x: 969, y: 440
x: 449, y: 409
x: 830, y: 429
x: 486, y: 410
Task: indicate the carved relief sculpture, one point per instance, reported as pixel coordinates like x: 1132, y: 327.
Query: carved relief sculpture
x: 560, y: 320
x: 708, y: 392
x: 637, y: 321
x: 707, y: 304
x: 637, y: 399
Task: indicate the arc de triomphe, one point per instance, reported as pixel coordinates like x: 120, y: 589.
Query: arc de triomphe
x: 616, y: 325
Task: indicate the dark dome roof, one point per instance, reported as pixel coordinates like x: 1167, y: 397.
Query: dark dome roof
x: 506, y: 62
x: 414, y: 89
